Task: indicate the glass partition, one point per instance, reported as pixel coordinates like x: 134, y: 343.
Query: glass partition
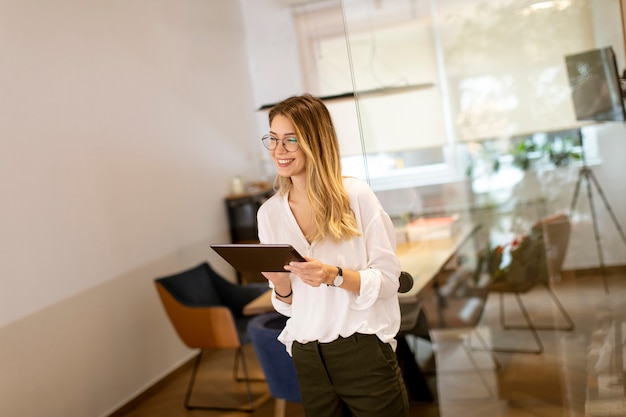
x: 445, y: 92
x: 441, y: 105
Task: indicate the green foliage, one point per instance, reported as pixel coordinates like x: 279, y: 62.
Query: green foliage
x: 559, y: 148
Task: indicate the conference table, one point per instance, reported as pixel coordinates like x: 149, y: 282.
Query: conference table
x: 424, y: 260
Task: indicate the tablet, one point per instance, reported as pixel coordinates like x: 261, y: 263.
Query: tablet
x: 258, y: 257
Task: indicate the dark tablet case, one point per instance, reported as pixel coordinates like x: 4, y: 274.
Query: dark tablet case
x: 257, y: 257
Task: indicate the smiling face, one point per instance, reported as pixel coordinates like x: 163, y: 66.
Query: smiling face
x: 288, y: 164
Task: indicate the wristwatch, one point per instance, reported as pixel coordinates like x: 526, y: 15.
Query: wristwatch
x: 338, y: 280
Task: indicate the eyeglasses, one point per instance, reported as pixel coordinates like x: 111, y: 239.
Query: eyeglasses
x: 290, y: 144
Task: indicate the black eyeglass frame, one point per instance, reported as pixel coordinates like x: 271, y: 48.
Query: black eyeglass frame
x: 271, y: 143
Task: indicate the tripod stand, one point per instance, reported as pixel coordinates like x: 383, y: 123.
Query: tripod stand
x: 587, y: 174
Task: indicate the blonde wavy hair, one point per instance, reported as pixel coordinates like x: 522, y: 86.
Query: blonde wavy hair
x: 317, y: 138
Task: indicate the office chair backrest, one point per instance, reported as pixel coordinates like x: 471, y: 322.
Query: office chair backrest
x: 196, y: 311
x: 200, y: 327
x: 557, y: 229
x: 193, y: 287
x: 406, y: 282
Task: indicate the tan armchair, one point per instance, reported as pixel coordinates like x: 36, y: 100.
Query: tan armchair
x: 537, y: 260
x: 205, y: 310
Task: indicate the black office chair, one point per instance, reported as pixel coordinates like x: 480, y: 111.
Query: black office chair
x: 414, y: 378
x: 206, y: 312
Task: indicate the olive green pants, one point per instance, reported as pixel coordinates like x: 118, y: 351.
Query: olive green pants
x: 355, y: 376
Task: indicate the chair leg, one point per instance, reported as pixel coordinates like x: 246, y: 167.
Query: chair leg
x: 530, y: 326
x: 248, y: 409
x: 471, y: 358
x: 484, y: 346
x: 246, y: 376
x: 280, y: 406
x: 239, y: 357
x: 466, y: 345
x: 194, y: 371
x: 570, y: 324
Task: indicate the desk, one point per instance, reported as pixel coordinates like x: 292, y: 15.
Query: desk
x: 261, y: 304
x: 425, y: 259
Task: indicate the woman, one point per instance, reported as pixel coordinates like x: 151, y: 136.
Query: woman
x: 342, y: 303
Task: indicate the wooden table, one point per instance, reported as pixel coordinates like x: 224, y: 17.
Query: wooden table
x: 261, y: 304
x: 425, y: 259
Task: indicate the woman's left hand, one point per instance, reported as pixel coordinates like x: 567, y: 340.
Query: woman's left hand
x: 312, y: 272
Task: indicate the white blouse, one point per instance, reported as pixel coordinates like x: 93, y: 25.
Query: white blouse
x: 324, y: 313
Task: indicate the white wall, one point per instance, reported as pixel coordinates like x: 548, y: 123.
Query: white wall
x: 559, y: 188
x: 273, y: 63
x: 121, y: 124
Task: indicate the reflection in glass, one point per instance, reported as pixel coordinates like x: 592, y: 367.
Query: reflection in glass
x: 472, y: 72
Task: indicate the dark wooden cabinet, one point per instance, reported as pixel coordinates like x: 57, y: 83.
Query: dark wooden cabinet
x: 242, y: 209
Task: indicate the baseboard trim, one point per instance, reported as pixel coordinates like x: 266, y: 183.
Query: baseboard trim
x: 154, y: 388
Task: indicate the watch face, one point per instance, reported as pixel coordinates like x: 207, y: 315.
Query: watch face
x: 338, y: 281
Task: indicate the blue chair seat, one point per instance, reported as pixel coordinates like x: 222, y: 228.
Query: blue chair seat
x: 276, y: 363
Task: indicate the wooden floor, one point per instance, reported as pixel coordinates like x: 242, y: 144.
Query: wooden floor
x: 578, y: 374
